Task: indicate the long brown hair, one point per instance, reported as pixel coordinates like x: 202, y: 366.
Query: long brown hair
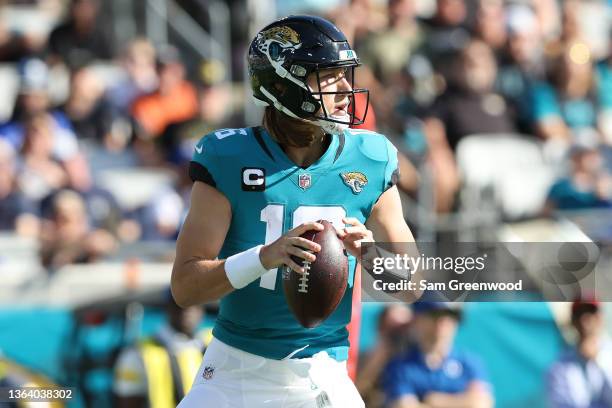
x: 290, y: 131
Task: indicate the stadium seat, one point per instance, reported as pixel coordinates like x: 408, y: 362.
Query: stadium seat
x: 16, y: 277
x: 134, y: 187
x: 83, y: 284
x: 13, y: 246
x: 149, y: 251
x: 512, y: 167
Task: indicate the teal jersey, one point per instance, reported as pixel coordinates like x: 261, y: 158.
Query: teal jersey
x: 270, y: 195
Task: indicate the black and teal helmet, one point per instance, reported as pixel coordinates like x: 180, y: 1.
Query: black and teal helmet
x: 286, y: 52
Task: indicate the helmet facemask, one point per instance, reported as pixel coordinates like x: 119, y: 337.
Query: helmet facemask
x: 324, y: 119
x: 308, y: 103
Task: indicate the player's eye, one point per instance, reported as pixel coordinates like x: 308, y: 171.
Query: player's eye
x: 328, y: 76
x: 337, y: 75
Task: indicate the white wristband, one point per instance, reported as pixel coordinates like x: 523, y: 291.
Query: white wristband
x: 244, y: 267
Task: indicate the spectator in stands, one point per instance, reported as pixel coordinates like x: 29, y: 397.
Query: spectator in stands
x: 382, y: 69
x: 175, y: 99
x: 34, y: 100
x: 140, y: 75
x: 433, y: 373
x: 604, y: 94
x: 393, y: 338
x: 15, y: 46
x: 163, y: 216
x: 214, y: 112
x: 358, y: 19
x: 40, y: 174
x: 17, y: 212
x: 469, y: 106
x: 571, y: 30
x: 446, y: 32
x: 91, y: 116
x: 403, y: 34
x: 568, y: 108
x: 548, y: 16
x: 82, y: 39
x: 67, y: 238
x: 487, y: 27
x: 161, y: 368
x: 589, y: 184
x: 582, y: 377
x: 103, y: 212
x: 522, y: 64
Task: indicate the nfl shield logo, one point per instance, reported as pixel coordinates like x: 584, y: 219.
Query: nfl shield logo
x: 304, y: 181
x: 208, y: 372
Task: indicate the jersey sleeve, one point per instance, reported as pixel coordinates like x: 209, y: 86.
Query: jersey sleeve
x: 204, y: 163
x: 380, y: 162
x: 392, y: 171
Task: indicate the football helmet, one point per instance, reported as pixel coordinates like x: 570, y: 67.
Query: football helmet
x: 286, y: 52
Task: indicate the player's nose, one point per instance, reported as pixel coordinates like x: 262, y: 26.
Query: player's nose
x: 344, y: 85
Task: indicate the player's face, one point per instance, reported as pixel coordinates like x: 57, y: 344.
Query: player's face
x: 333, y: 80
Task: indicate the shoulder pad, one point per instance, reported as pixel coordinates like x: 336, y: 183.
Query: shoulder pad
x: 371, y: 144
x: 224, y: 142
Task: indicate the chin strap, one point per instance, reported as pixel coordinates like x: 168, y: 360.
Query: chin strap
x: 333, y: 128
x: 277, y: 104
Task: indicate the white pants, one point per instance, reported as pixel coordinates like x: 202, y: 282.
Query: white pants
x: 232, y: 378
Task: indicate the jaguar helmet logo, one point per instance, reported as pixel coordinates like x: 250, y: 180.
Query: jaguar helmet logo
x: 355, y: 180
x: 277, y: 41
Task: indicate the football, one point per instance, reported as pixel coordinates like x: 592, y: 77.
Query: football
x: 314, y: 295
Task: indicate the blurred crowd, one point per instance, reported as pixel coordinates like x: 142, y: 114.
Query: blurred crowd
x: 84, y: 105
x: 530, y: 69
x: 416, y: 363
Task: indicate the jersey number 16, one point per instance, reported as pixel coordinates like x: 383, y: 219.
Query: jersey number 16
x: 274, y: 216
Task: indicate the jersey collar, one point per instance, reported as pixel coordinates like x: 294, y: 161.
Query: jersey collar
x: 321, y: 165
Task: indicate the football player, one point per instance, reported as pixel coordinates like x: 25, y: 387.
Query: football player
x: 255, y: 191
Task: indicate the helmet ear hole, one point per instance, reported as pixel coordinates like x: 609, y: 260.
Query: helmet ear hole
x: 281, y: 88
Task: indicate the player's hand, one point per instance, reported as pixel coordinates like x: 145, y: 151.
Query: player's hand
x: 353, y: 235
x: 280, y: 251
